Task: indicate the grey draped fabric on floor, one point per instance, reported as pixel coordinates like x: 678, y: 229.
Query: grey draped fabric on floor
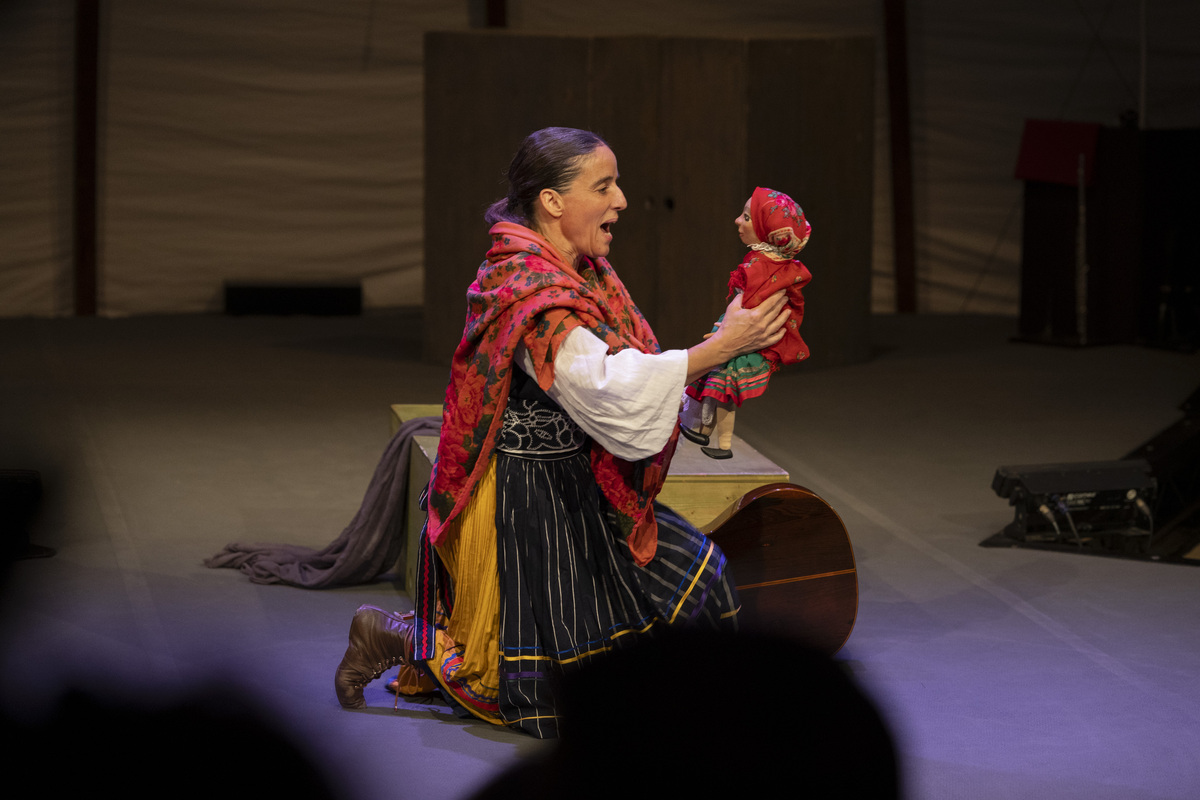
x: 368, y: 546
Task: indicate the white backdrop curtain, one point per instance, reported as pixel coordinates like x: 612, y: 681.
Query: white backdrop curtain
x: 282, y: 140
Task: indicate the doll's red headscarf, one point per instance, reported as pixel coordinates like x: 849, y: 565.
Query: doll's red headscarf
x: 778, y: 221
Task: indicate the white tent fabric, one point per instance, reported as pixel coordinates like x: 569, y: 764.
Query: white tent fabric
x: 36, y: 42
x: 277, y: 141
x: 282, y: 140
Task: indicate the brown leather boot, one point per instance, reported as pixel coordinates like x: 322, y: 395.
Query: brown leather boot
x: 378, y: 640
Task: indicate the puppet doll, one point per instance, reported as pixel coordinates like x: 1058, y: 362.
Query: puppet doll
x: 775, y: 230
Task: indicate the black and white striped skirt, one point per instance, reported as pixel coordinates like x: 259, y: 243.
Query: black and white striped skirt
x: 570, y: 589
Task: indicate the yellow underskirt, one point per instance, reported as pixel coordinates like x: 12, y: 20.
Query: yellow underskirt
x: 468, y: 552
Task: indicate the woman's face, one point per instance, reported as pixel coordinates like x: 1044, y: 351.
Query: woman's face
x: 745, y: 227
x: 590, y: 207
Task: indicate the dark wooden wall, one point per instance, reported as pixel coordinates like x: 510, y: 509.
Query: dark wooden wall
x: 696, y: 124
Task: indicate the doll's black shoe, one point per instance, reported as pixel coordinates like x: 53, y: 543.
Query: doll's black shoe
x: 716, y: 452
x: 693, y: 436
x: 378, y: 640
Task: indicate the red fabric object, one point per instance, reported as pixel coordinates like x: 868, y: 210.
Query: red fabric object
x: 526, y: 292
x: 1050, y: 151
x: 780, y: 223
x: 762, y: 278
x: 783, y: 231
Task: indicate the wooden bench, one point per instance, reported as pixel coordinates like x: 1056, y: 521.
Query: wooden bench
x: 699, y: 488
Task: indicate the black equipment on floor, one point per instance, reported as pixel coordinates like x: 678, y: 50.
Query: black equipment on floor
x: 1144, y: 506
x: 1068, y: 502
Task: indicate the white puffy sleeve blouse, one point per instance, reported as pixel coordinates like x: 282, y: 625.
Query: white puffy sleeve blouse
x: 627, y: 402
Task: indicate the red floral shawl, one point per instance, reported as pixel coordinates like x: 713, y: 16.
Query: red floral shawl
x: 526, y: 292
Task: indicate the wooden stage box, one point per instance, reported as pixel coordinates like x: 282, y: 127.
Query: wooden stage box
x: 698, y: 487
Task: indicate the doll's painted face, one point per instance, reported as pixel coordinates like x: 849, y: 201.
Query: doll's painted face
x: 745, y: 226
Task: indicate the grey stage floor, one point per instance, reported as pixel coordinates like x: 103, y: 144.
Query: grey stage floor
x: 1004, y: 673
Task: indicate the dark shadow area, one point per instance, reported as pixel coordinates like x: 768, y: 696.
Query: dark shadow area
x: 690, y: 714
x: 208, y: 744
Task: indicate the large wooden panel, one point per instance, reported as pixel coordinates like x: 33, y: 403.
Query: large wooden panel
x: 696, y: 124
x: 480, y: 103
x: 703, y: 180
x: 811, y: 132
x: 624, y: 109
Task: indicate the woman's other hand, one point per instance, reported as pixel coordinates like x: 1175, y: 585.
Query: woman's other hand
x: 743, y: 330
x: 751, y: 329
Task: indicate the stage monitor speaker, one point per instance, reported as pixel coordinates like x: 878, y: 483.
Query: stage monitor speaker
x: 1071, y: 502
